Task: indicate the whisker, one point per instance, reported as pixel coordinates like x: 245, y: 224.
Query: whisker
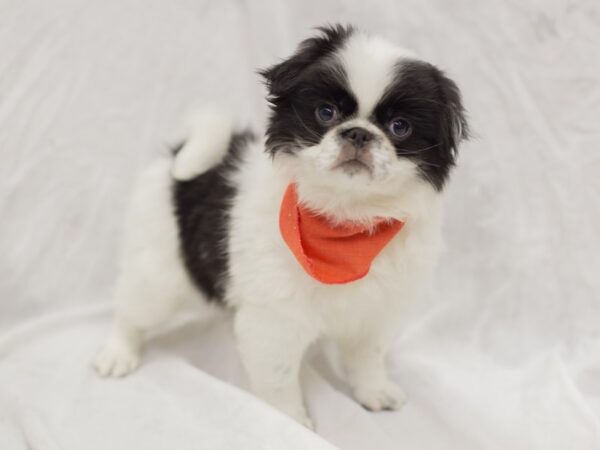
x: 291, y: 145
x: 419, y: 150
x: 425, y: 163
x: 428, y: 178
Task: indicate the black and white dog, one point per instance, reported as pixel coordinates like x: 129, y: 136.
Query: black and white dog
x: 364, y: 132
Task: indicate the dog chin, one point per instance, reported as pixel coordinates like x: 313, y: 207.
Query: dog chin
x: 354, y: 167
x: 356, y: 196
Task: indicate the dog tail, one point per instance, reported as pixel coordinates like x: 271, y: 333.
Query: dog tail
x: 208, y: 136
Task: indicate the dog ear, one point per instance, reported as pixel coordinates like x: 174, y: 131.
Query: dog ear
x: 454, y: 125
x: 281, y: 78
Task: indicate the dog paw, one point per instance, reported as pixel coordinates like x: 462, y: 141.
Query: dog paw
x: 117, y: 359
x: 387, y: 396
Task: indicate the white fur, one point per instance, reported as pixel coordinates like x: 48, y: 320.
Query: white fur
x: 323, y: 156
x: 361, y: 197
x: 209, y: 133
x: 152, y: 281
x: 280, y: 308
x: 368, y: 78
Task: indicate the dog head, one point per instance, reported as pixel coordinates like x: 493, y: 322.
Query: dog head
x: 356, y: 115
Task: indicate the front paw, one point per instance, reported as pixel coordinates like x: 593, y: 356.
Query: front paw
x: 117, y: 359
x: 384, y: 396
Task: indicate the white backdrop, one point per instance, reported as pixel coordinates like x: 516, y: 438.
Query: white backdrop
x: 506, y: 354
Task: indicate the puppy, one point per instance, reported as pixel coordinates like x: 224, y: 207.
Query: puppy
x: 326, y: 227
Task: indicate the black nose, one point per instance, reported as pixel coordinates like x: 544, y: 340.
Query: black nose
x: 357, y: 136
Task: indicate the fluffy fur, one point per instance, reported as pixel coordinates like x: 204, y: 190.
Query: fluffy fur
x: 206, y: 222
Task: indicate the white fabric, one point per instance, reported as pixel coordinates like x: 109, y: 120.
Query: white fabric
x: 506, y: 352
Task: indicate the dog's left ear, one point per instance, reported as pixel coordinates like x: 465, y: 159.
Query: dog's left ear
x: 282, y: 78
x: 454, y: 125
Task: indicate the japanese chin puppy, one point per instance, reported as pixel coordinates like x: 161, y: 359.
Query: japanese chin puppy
x: 325, y: 227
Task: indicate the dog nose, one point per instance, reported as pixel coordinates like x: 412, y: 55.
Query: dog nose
x: 357, y: 136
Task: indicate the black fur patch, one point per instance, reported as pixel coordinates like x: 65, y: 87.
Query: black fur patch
x: 202, y: 210
x: 431, y: 102
x: 299, y: 84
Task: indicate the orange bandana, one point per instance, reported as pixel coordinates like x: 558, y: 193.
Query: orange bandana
x: 331, y: 254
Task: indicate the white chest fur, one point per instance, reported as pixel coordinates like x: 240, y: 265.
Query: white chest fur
x: 264, y: 273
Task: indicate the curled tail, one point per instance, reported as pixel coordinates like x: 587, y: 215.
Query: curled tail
x: 209, y: 133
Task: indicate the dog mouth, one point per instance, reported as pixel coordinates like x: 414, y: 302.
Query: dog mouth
x: 353, y: 161
x: 353, y: 166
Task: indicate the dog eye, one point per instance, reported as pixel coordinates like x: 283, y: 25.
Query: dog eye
x: 400, y: 128
x: 326, y: 113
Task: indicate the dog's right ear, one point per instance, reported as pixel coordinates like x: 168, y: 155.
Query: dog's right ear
x: 283, y: 77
